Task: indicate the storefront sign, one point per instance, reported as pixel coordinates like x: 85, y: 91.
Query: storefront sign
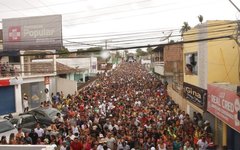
x: 195, y: 94
x: 31, y: 33
x: 4, y: 82
x: 225, y: 105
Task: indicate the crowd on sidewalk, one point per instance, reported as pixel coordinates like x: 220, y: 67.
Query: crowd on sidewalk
x: 127, y: 108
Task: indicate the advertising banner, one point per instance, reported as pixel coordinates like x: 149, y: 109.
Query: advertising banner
x: 4, y: 82
x: 32, y: 33
x: 225, y: 105
x: 195, y: 94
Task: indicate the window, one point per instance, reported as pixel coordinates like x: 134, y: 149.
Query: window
x: 191, y: 60
x: 5, y: 126
x: 29, y: 119
x: 14, y: 121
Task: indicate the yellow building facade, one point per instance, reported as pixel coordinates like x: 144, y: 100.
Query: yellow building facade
x: 211, y: 55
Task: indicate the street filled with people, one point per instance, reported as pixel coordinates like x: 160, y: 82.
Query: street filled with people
x: 126, y: 108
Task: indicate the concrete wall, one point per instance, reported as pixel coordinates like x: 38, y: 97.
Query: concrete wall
x: 173, y: 52
x: 177, y: 98
x: 53, y: 85
x: 67, y: 86
x: 190, y: 48
x: 223, y: 55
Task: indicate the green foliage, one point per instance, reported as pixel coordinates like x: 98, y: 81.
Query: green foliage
x: 171, y: 41
x: 140, y: 52
x: 118, y: 55
x: 63, y: 52
x: 89, y: 51
x: 79, y: 52
x: 95, y: 50
x: 149, y: 50
x: 185, y: 27
x: 200, y: 18
x: 126, y: 53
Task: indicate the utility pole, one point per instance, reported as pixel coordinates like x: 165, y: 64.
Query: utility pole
x: 234, y: 5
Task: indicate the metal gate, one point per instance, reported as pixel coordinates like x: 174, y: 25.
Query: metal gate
x: 7, y: 100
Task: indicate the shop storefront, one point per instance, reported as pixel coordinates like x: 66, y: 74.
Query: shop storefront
x: 196, y: 98
x: 224, y: 104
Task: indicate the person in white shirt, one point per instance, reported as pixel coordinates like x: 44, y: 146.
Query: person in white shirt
x: 39, y: 131
x: 202, y: 144
x: 25, y: 102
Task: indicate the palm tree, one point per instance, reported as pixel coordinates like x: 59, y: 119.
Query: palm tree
x: 200, y: 18
x: 184, y: 28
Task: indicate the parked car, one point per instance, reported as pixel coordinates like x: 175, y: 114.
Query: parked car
x: 6, y: 128
x: 45, y: 115
x: 25, y: 121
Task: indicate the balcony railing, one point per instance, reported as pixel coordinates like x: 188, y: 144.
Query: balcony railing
x: 159, y: 67
x: 9, y: 70
x: 29, y: 69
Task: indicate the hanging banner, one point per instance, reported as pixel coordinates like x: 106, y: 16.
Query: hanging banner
x: 225, y: 105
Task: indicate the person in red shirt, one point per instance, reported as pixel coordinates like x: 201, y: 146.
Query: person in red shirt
x: 76, y: 144
x: 71, y: 113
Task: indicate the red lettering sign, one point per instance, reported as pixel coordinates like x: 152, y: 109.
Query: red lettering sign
x: 224, y: 104
x: 4, y: 82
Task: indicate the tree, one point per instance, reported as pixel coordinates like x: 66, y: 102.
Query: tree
x: 184, y: 28
x: 117, y: 55
x: 150, y: 51
x: 79, y: 52
x: 125, y: 53
x: 63, y: 52
x: 200, y: 18
x: 140, y: 52
x: 171, y: 41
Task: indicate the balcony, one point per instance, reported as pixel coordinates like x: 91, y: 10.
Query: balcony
x: 8, y: 70
x: 167, y: 68
x: 159, y: 68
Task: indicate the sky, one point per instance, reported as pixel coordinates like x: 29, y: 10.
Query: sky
x: 120, y: 22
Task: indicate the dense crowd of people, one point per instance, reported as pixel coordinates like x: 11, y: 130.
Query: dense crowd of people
x: 124, y: 109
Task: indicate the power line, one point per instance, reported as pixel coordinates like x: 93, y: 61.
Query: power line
x: 220, y: 29
x: 143, y: 46
x: 234, y: 5
x: 30, y: 8
x: 129, y: 16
